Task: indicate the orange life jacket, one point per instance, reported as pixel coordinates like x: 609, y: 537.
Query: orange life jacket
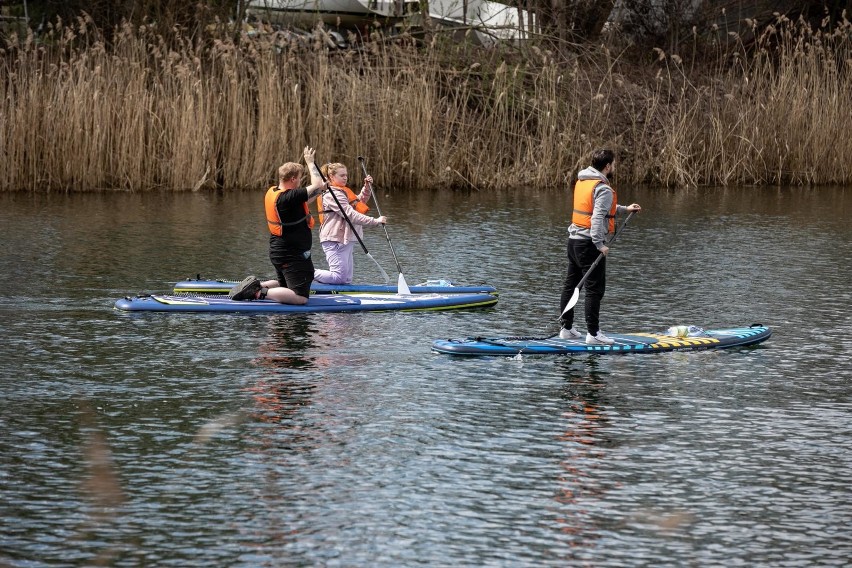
x: 353, y: 200
x: 584, y: 204
x: 273, y: 220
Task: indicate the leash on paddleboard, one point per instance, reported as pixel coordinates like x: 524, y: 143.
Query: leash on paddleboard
x: 576, y: 295
x: 402, y: 285
x: 351, y: 226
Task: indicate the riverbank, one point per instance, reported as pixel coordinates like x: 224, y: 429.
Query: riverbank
x: 145, y: 112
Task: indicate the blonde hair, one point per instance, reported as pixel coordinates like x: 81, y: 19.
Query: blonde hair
x: 289, y: 171
x: 329, y: 170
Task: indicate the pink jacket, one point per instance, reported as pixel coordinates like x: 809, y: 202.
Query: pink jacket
x: 334, y: 226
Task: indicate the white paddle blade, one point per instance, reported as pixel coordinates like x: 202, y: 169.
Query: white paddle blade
x: 573, y: 301
x: 402, y: 285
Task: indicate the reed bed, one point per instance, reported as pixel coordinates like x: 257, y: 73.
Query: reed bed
x: 146, y: 112
x: 775, y: 114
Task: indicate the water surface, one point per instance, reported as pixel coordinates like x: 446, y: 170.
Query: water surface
x: 340, y: 440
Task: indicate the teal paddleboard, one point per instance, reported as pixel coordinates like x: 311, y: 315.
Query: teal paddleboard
x: 638, y: 342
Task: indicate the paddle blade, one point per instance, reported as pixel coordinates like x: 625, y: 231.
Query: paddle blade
x: 402, y: 285
x: 573, y: 301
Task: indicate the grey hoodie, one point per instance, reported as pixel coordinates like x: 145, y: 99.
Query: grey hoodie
x: 603, y: 196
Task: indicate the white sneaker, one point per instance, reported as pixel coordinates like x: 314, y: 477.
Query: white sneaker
x: 569, y: 333
x: 599, y: 339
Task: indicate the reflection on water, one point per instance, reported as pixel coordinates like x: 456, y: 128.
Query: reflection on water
x: 339, y: 439
x: 584, y: 442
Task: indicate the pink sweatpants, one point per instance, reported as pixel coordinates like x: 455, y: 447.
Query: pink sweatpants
x: 341, y: 266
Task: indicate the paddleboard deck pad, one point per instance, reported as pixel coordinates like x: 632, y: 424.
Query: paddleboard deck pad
x: 624, y: 343
x: 441, y: 286
x: 316, y: 303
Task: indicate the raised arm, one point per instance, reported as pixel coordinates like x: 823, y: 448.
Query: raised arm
x: 317, y: 184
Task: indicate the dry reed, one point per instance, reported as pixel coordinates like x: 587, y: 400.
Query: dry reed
x: 139, y: 113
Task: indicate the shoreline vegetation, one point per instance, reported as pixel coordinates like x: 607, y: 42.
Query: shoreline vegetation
x: 142, y: 111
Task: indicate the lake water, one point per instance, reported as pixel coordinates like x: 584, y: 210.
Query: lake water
x: 341, y: 440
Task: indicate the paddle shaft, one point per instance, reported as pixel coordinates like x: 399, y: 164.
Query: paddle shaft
x: 379, y: 211
x: 579, y: 286
x: 601, y: 255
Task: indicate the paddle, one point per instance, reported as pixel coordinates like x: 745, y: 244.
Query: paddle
x: 576, y: 295
x: 402, y: 285
x: 351, y: 226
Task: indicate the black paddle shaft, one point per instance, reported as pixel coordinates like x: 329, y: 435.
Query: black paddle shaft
x: 600, y: 256
x: 379, y: 211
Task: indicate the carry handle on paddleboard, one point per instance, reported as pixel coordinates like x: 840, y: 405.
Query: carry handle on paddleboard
x: 351, y: 226
x: 576, y: 295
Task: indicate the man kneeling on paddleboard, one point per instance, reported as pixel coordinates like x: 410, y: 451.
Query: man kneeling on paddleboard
x: 592, y: 230
x: 290, y: 239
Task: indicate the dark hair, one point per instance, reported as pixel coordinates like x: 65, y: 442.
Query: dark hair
x: 600, y: 159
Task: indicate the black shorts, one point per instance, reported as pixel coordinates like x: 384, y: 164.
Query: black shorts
x: 296, y: 275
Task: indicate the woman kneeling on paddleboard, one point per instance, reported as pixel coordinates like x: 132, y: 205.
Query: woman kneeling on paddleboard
x: 339, y: 228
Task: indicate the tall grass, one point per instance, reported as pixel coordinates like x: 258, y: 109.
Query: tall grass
x: 144, y: 112
x: 776, y: 113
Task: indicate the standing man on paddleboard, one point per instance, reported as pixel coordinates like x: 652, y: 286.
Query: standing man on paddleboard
x: 290, y: 239
x: 592, y: 227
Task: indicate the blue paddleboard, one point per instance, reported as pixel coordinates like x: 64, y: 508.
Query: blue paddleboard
x: 316, y: 303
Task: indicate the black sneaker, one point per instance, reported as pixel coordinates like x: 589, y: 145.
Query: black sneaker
x: 245, y: 290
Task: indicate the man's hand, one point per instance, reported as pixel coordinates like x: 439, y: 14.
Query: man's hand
x: 309, y: 155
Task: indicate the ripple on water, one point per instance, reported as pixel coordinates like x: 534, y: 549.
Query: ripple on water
x: 340, y: 440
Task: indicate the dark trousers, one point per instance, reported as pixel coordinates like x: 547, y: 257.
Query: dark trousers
x: 581, y: 255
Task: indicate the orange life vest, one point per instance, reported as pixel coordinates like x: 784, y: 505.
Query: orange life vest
x: 584, y: 204
x: 353, y: 200
x: 273, y: 220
